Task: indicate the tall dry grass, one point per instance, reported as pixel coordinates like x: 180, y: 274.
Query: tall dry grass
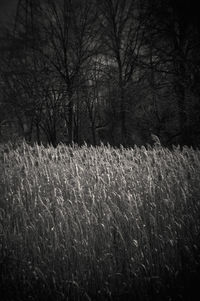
x: 98, y: 223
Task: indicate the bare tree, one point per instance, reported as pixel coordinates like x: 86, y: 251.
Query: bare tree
x: 122, y: 30
x: 70, y: 43
x: 173, y: 35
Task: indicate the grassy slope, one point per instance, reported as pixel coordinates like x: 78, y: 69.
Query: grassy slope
x: 99, y: 223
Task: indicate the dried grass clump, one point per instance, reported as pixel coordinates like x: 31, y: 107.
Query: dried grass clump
x: 86, y: 223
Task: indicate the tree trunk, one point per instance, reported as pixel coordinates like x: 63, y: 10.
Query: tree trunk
x: 122, y: 111
x: 94, y: 133
x: 181, y: 102
x: 38, y: 133
x: 71, y: 119
x: 182, y: 111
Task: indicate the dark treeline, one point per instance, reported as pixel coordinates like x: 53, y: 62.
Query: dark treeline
x: 111, y: 71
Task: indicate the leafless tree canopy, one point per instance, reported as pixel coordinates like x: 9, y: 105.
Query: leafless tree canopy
x: 112, y: 71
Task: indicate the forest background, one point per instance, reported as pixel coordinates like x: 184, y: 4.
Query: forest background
x: 95, y: 71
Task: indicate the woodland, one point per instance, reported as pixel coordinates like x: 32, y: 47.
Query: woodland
x: 101, y: 71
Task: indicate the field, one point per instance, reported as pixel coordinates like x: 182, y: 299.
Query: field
x: 99, y: 223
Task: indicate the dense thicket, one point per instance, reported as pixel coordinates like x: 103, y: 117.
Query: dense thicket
x: 112, y: 70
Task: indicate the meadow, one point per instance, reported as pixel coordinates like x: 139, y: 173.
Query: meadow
x: 99, y: 223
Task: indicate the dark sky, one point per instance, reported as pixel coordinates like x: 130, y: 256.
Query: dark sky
x: 7, y: 10
x: 188, y: 8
